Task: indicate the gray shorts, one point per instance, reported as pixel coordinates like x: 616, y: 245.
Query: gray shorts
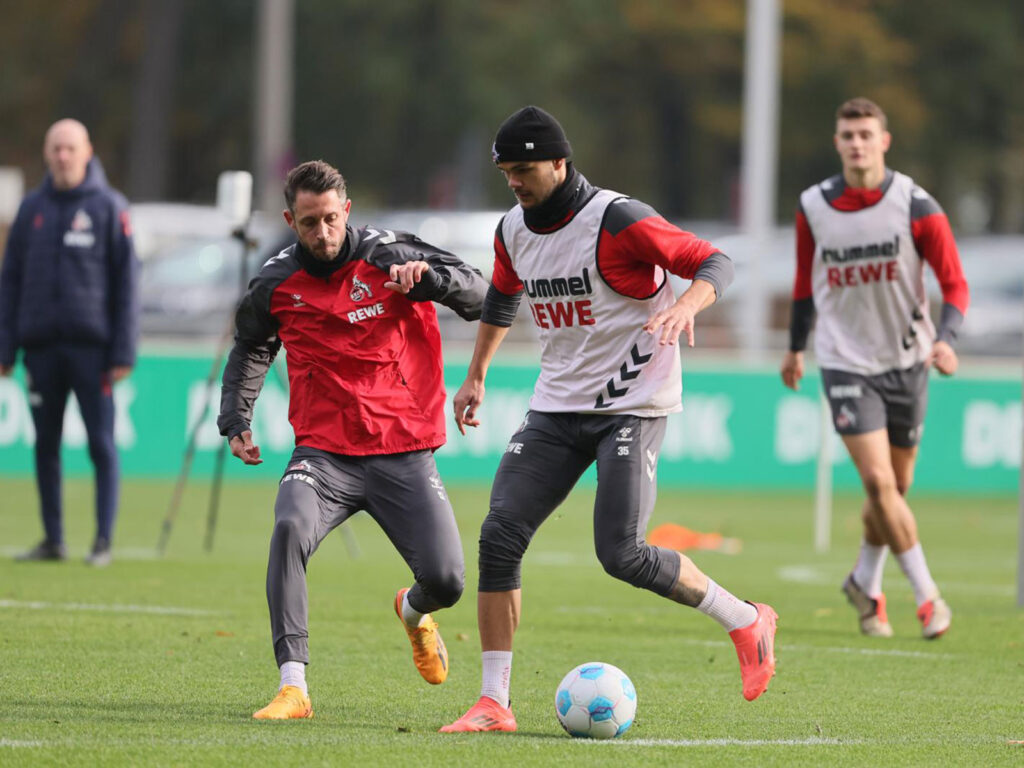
x: 895, y: 400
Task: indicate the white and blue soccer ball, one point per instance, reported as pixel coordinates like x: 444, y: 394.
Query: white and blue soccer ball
x: 596, y: 701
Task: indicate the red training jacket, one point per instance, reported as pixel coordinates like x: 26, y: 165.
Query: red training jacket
x: 364, y: 363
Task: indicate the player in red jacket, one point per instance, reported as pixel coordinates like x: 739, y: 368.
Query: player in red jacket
x: 862, y: 240
x: 353, y: 310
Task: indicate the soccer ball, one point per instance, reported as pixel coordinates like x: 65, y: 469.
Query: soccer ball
x: 595, y: 700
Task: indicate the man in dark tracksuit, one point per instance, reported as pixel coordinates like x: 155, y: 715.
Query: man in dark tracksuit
x: 68, y: 297
x: 353, y: 309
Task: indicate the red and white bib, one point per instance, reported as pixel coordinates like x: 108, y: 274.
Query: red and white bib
x: 595, y: 356
x: 868, y: 283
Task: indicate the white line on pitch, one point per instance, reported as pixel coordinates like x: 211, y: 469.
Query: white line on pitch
x: 831, y: 649
x: 816, y: 576
x: 168, y: 610
x: 120, y: 553
x: 542, y: 557
x: 814, y: 741
x: 14, y: 743
x: 874, y: 652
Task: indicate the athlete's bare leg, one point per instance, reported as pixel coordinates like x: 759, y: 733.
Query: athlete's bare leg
x: 498, y: 612
x: 498, y: 618
x: 751, y: 626
x: 691, y: 586
x: 891, y: 518
x: 903, y: 462
x: 872, y: 533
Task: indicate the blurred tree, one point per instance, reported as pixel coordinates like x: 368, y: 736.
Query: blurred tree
x: 381, y: 92
x: 69, y: 59
x: 211, y: 125
x: 968, y: 68
x: 152, y: 100
x: 405, y: 96
x: 833, y: 51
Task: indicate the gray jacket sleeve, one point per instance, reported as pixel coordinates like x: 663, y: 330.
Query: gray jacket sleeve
x: 256, y: 346
x: 449, y: 281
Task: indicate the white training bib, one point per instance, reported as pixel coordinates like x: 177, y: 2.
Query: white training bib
x: 868, y: 283
x: 595, y: 355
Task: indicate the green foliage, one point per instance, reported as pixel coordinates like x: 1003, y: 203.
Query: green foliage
x: 92, y: 675
x: 405, y: 96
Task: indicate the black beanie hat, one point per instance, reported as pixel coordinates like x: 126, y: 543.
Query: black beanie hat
x: 530, y: 134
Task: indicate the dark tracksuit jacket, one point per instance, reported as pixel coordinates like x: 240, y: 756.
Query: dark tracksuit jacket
x: 70, y: 272
x: 364, y: 363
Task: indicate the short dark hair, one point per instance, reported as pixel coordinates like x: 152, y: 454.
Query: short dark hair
x: 313, y: 176
x: 861, y: 107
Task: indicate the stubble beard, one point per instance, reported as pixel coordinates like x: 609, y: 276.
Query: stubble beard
x: 326, y: 252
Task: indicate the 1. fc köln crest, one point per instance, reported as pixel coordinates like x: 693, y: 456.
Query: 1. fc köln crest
x: 360, y: 290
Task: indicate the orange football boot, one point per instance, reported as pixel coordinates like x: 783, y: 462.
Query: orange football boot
x: 428, y: 651
x: 289, y: 703
x: 755, y: 647
x: 485, y: 715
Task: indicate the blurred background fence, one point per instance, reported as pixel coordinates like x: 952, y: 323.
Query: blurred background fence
x: 741, y: 429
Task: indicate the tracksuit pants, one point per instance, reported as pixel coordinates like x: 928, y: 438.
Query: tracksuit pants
x: 402, y: 492
x: 54, y: 371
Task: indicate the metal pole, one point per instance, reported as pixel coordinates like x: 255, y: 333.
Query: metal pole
x: 823, y: 483
x: 218, y: 481
x: 759, y: 165
x: 275, y: 32
x: 1020, y: 525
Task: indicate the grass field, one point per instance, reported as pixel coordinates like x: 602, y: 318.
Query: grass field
x: 162, y: 661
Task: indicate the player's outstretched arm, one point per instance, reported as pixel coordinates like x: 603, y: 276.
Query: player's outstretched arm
x: 680, y: 317
x: 792, y: 369
x: 427, y: 273
x: 245, y: 449
x: 471, y: 394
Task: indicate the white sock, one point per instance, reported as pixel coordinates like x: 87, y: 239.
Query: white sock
x: 410, y: 615
x: 294, y: 673
x: 497, y: 668
x: 916, y: 569
x: 869, y: 568
x: 727, y: 609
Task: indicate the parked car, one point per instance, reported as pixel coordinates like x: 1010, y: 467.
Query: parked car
x: 467, y: 234
x: 193, y: 274
x: 994, y: 267
x: 195, y: 267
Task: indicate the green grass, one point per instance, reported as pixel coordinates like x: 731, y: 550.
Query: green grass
x: 92, y: 674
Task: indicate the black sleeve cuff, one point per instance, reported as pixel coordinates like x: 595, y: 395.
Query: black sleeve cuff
x: 500, y: 308
x: 718, y: 270
x: 233, y: 428
x: 800, y: 323
x: 949, y: 323
x: 432, y: 286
